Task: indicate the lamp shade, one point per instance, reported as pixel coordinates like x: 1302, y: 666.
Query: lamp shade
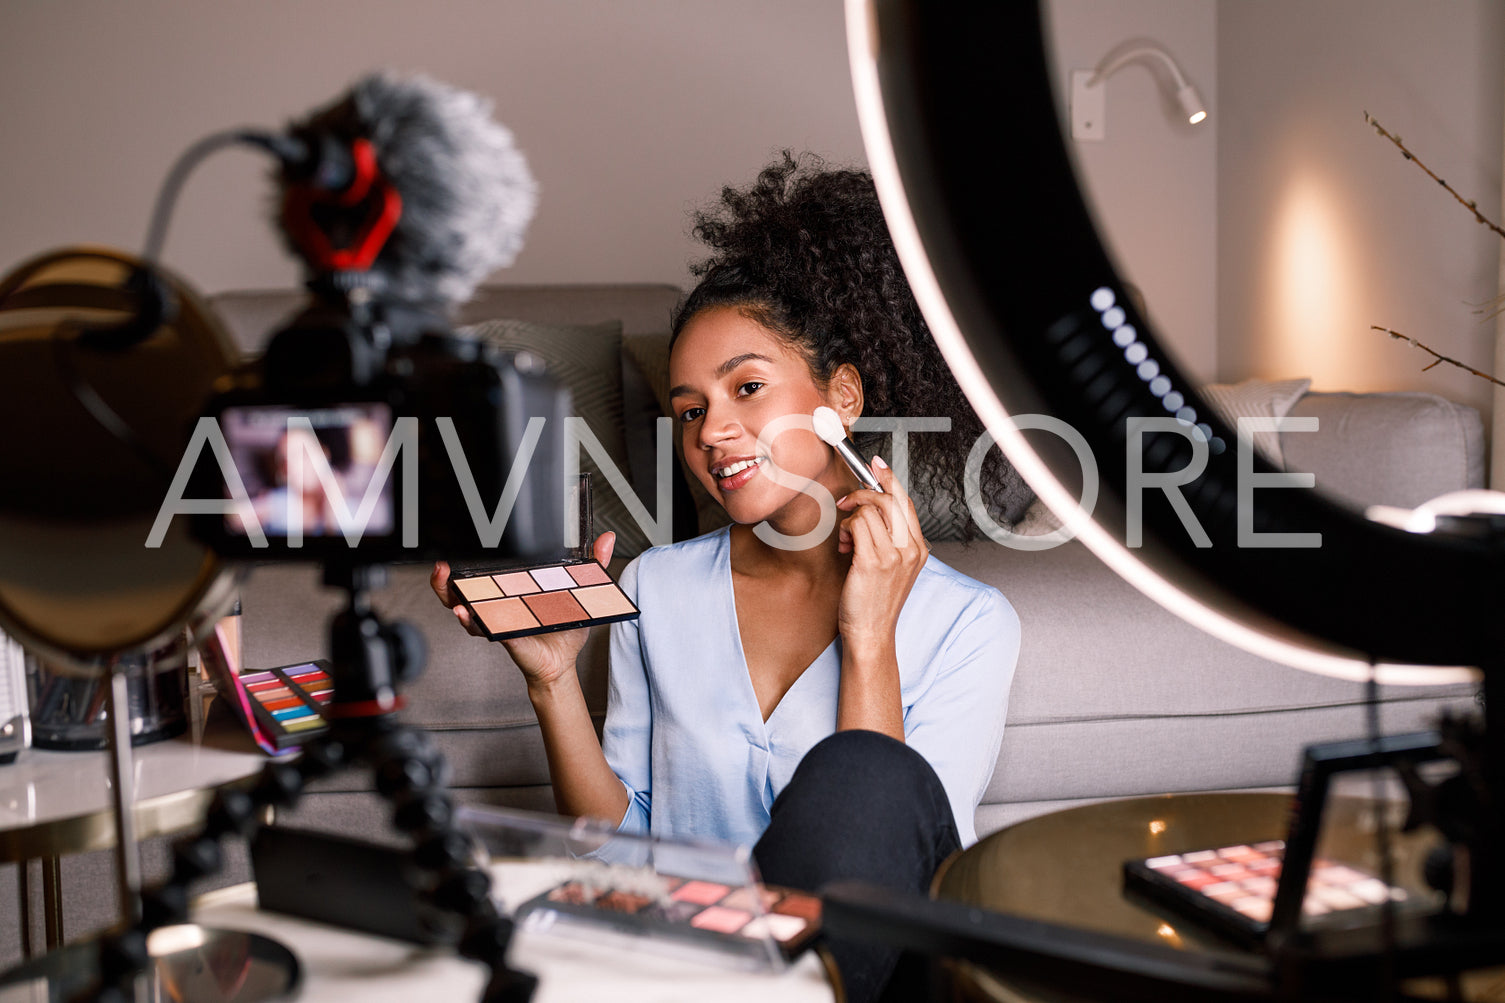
x: 1191, y: 103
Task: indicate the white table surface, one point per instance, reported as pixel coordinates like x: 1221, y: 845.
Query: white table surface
x: 45, y: 790
x: 340, y: 965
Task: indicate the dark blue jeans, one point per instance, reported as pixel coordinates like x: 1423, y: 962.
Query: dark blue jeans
x: 861, y: 806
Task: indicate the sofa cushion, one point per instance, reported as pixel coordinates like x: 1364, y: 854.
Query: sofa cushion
x: 1396, y: 449
x: 1169, y: 752
x: 253, y: 314
x: 1107, y: 680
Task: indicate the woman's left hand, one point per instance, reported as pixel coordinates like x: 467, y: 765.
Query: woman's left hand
x: 882, y: 533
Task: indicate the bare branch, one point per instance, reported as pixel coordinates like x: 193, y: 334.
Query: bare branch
x: 1468, y: 204
x: 1490, y: 309
x: 1436, y: 355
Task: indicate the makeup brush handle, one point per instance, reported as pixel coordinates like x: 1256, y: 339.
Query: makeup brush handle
x: 848, y: 452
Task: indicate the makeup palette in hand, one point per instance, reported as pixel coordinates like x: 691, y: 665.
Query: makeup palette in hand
x: 516, y: 603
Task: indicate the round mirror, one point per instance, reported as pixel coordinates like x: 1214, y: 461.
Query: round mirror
x: 97, y: 416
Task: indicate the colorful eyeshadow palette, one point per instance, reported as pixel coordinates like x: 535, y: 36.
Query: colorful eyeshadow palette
x: 705, y: 912
x: 519, y: 602
x: 1232, y: 888
x: 288, y: 702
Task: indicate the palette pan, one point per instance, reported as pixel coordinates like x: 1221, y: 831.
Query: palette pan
x: 519, y: 602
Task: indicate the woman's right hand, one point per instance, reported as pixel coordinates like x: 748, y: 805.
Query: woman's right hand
x: 543, y: 658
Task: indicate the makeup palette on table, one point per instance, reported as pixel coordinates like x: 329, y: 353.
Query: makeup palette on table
x: 691, y: 910
x: 1232, y: 889
x: 282, y: 708
x: 582, y: 879
x: 288, y: 702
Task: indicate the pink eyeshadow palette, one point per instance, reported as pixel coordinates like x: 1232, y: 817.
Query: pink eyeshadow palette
x: 706, y: 912
x: 288, y: 702
x: 1233, y: 888
x: 516, y: 603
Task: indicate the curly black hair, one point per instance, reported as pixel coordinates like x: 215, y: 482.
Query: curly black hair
x: 805, y: 252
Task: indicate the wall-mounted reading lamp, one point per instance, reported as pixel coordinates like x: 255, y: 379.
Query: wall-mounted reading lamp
x: 1089, y: 95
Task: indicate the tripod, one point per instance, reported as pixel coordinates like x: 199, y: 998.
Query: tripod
x: 371, y: 661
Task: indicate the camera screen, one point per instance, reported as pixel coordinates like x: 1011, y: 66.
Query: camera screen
x: 310, y: 470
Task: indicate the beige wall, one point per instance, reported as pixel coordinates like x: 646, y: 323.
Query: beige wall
x: 1265, y: 241
x: 1153, y: 180
x: 1324, y: 228
x: 629, y: 112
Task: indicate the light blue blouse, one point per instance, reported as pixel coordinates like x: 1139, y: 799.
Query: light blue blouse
x: 686, y: 737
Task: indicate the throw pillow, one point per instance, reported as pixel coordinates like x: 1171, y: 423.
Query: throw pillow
x: 939, y: 523
x: 586, y: 358
x: 1257, y: 399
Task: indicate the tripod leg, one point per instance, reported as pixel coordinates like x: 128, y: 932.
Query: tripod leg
x: 411, y: 774
x: 371, y: 659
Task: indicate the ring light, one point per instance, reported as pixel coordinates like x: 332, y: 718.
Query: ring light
x: 1032, y: 317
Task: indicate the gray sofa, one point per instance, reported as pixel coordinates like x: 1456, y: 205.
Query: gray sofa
x: 1112, y: 697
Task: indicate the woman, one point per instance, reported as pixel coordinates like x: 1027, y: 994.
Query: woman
x: 297, y: 447
x: 808, y: 679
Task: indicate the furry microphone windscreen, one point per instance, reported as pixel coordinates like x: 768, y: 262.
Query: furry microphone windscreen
x: 467, y: 193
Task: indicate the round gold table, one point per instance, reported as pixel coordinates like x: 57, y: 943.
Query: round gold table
x: 1066, y: 867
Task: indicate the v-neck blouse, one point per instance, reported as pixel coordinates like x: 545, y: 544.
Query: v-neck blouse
x: 684, y: 732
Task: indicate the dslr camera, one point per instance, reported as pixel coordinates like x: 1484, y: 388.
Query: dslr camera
x: 372, y: 434
x: 369, y: 432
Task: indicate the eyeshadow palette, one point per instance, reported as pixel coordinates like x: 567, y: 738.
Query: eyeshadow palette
x: 288, y: 702
x: 709, y: 913
x: 1232, y: 888
x: 560, y: 596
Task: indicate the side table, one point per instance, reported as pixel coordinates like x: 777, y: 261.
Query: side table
x: 57, y: 803
x: 1066, y: 867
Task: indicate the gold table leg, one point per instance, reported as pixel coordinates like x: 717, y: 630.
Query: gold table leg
x: 23, y: 892
x: 52, y: 901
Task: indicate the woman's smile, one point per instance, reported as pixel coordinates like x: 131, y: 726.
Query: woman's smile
x: 732, y: 474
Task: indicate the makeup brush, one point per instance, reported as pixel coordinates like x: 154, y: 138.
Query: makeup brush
x: 828, y: 426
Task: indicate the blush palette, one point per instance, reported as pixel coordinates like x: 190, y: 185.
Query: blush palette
x: 1233, y: 887
x: 706, y: 912
x: 561, y: 596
